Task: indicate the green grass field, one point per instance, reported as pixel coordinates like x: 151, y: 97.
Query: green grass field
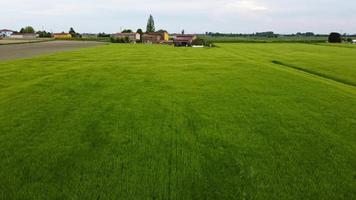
x: 239, y: 121
x: 260, y: 39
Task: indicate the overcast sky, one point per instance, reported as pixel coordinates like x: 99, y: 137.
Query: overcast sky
x: 195, y: 16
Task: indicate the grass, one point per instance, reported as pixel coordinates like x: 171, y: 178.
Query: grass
x: 327, y: 61
x: 260, y: 39
x: 157, y: 122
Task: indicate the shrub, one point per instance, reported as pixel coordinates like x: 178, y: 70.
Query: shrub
x: 201, y: 41
x: 119, y: 40
x: 198, y: 41
x: 335, y: 38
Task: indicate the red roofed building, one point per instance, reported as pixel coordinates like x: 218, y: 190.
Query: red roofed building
x: 132, y: 37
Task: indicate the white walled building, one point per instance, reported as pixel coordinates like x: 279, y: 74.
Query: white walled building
x: 6, y: 32
x: 23, y: 36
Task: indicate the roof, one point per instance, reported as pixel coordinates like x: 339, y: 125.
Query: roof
x: 155, y: 33
x: 184, y: 37
x: 6, y: 30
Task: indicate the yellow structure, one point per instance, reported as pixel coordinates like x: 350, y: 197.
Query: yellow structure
x: 165, y: 36
x: 62, y: 36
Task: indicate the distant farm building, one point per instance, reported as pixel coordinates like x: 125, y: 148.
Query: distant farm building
x: 354, y: 41
x: 184, y: 40
x: 131, y: 37
x: 27, y: 36
x: 6, y: 32
x: 155, y: 38
x: 62, y: 36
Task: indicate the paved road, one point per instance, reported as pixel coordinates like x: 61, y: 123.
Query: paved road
x: 15, y: 51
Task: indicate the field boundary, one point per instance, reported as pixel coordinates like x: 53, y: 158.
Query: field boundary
x: 352, y: 46
x: 276, y: 62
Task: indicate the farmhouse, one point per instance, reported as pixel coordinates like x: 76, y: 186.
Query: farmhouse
x: 132, y: 37
x: 6, y: 32
x: 23, y: 36
x: 184, y: 40
x: 155, y: 38
x: 61, y: 36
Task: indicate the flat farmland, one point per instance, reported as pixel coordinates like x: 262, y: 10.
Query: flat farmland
x: 239, y: 121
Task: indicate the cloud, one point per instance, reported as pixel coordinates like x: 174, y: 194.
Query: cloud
x: 192, y: 15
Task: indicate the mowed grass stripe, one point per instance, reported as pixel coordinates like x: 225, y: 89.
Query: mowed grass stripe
x: 332, y: 62
x: 321, y: 75
x: 157, y: 122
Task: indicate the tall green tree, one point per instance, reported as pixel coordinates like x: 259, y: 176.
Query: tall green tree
x: 150, y: 25
x: 28, y: 29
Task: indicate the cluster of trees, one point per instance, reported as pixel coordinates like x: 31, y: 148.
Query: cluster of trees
x: 27, y: 29
x: 44, y: 34
x: 338, y: 38
x: 200, y: 41
x: 41, y: 34
x: 258, y: 34
x: 262, y: 34
x: 119, y: 40
x: 307, y: 34
x: 103, y: 34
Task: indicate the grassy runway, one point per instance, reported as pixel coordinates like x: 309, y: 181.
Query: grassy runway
x: 157, y: 122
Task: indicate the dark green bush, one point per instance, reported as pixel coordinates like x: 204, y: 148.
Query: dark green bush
x: 335, y: 38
